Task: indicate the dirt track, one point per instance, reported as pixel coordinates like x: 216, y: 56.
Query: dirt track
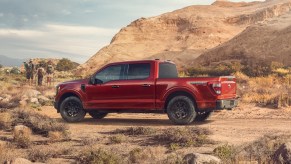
x: 230, y: 130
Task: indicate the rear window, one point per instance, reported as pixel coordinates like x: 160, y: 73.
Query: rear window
x: 167, y: 70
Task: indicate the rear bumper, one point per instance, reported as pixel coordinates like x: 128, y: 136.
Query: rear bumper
x: 226, y: 104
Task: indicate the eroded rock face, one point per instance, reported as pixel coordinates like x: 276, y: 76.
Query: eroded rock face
x: 283, y: 154
x: 184, y: 34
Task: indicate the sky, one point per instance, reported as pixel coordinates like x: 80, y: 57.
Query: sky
x: 73, y: 29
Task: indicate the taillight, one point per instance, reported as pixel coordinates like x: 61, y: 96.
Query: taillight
x: 217, y: 88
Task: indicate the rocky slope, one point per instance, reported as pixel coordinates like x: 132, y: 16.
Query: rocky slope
x: 185, y: 34
x: 264, y: 42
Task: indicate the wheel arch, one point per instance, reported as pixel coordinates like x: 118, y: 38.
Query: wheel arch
x: 66, y: 95
x: 179, y: 93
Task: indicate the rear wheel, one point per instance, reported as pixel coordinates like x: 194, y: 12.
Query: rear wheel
x: 202, y: 116
x: 71, y: 109
x: 181, y: 110
x: 97, y: 115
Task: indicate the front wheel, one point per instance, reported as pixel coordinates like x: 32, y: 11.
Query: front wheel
x: 97, y: 115
x: 181, y: 110
x: 71, y: 109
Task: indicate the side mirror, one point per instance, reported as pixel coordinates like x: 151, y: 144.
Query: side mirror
x: 98, y: 81
x: 94, y: 81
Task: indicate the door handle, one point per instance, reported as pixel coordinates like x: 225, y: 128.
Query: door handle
x: 115, y: 86
x: 146, y: 85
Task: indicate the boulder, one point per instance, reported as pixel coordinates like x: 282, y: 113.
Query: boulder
x: 31, y: 93
x: 20, y: 161
x: 283, y: 154
x: 197, y: 158
x: 34, y: 100
x: 43, y: 100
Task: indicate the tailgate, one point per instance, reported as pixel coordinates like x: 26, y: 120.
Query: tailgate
x: 228, y: 87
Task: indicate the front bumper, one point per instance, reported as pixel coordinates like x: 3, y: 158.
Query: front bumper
x: 226, y: 104
x: 56, y: 105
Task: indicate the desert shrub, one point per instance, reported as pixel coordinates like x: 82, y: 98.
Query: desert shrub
x: 173, y: 159
x: 140, y: 155
x: 117, y: 139
x: 186, y: 136
x: 135, y: 131
x: 257, y: 90
x: 65, y: 65
x: 5, y: 120
x: 39, y: 124
x: 99, y: 156
x: 262, y: 149
x: 223, y: 69
x: 6, y: 152
x: 1, y: 66
x: 89, y: 141
x: 11, y: 103
x: 226, y: 153
x: 255, y: 68
x: 43, y: 153
x: 21, y: 136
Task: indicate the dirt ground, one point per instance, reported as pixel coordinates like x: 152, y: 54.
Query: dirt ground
x: 234, y: 127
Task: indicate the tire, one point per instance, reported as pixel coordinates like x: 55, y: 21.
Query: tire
x: 202, y: 116
x: 181, y: 110
x: 71, y: 109
x: 97, y: 115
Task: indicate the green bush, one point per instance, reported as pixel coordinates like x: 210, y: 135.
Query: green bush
x: 65, y: 65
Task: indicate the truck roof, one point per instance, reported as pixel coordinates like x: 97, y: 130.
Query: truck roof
x: 141, y: 61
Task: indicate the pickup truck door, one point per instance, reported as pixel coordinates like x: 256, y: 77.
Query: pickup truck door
x: 105, y: 93
x: 123, y: 86
x: 139, y: 87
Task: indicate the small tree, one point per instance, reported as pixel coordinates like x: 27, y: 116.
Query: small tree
x: 1, y: 66
x: 65, y: 65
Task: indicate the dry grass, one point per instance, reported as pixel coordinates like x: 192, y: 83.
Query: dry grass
x: 21, y: 136
x: 43, y: 153
x: 5, y: 121
x: 184, y: 137
x: 271, y: 91
x: 39, y: 124
x: 99, y: 156
x: 136, y: 131
x: 260, y: 151
x: 117, y: 139
x: 140, y: 155
x: 6, y: 152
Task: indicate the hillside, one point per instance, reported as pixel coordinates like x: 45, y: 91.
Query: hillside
x: 10, y: 62
x: 184, y: 34
x: 264, y: 42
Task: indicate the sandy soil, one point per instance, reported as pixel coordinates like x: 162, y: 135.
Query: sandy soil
x: 225, y: 125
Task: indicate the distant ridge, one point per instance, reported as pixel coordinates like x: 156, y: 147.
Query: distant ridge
x: 10, y: 62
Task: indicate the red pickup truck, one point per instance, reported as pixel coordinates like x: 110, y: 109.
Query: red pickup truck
x: 147, y: 86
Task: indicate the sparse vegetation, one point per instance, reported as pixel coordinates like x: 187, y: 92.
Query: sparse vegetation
x: 65, y: 65
x: 184, y: 137
x: 99, y: 156
x: 135, y: 131
x: 43, y: 153
x: 21, y: 136
x: 117, y: 139
x: 226, y: 153
x: 39, y: 124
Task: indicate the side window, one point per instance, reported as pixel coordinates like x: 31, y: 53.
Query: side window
x: 138, y: 71
x: 114, y: 72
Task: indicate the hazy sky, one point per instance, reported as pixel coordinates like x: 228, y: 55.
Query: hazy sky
x: 74, y: 29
